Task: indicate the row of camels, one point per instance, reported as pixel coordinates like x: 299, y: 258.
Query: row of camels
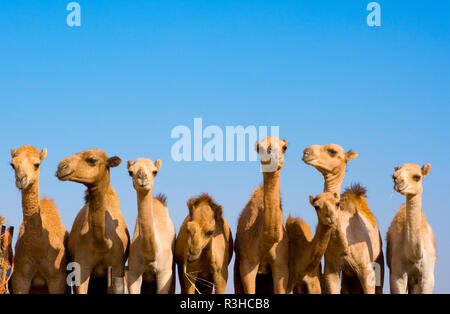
x: 271, y: 255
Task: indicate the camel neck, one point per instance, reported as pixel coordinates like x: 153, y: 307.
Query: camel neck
x: 30, y: 207
x: 318, y: 246
x: 273, y: 215
x: 333, y: 181
x: 414, y: 226
x: 340, y: 237
x: 147, y: 224
x: 97, y: 199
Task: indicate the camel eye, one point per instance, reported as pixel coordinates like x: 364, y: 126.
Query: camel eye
x: 91, y: 161
x: 338, y: 204
x: 284, y: 148
x: 316, y: 207
x: 12, y: 166
x: 155, y: 173
x: 36, y: 166
x: 417, y: 178
x: 332, y: 152
x: 131, y: 173
x: 209, y: 233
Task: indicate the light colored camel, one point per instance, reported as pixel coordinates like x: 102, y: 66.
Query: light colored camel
x: 262, y: 246
x: 40, y: 258
x: 99, y: 237
x: 306, y: 252
x: 411, y: 245
x: 151, y: 263
x: 204, y: 248
x: 357, y: 252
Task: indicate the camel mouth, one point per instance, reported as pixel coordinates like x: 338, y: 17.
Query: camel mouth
x: 192, y: 259
x: 401, y: 189
x: 64, y: 177
x: 308, y: 161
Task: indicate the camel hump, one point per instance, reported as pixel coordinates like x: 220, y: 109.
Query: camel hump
x: 356, y: 194
x: 47, y: 203
x: 162, y: 198
x: 356, y: 190
x: 297, y: 228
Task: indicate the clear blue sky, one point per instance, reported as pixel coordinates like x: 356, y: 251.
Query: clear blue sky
x: 135, y: 70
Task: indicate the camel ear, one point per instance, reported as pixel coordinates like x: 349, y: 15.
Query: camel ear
x: 13, y: 152
x: 257, y: 147
x: 396, y: 168
x: 43, y: 154
x: 114, y: 162
x: 311, y: 200
x: 285, y: 146
x: 351, y: 155
x: 129, y: 164
x: 426, y: 169
x: 158, y: 164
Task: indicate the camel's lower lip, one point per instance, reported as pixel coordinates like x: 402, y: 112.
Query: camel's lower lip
x: 401, y: 189
x: 63, y: 177
x: 191, y: 259
x: 308, y: 160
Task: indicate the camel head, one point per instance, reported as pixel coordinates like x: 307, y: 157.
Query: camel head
x: 329, y: 158
x: 271, y: 151
x: 408, y: 178
x: 201, y: 227
x: 326, y: 205
x: 88, y: 167
x: 26, y: 162
x: 143, y: 172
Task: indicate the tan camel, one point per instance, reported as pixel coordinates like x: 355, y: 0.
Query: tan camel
x: 151, y: 263
x: 355, y: 248
x: 262, y: 246
x: 204, y: 248
x: 40, y: 260
x: 99, y: 237
x: 306, y: 252
x: 411, y: 245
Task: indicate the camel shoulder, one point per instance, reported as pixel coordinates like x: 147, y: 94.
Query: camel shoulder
x: 354, y: 198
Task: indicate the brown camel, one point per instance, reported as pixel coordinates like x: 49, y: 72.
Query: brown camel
x: 151, y: 263
x: 262, y: 246
x: 99, y: 237
x: 355, y: 248
x: 204, y: 248
x: 306, y: 252
x: 411, y: 245
x: 40, y: 260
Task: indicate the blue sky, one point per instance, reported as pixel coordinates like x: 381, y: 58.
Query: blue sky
x: 133, y: 71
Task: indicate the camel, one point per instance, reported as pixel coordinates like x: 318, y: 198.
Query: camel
x: 204, y: 248
x: 151, y: 264
x: 355, y: 247
x: 40, y: 257
x: 99, y: 237
x: 306, y: 252
x: 262, y: 246
x: 411, y: 245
